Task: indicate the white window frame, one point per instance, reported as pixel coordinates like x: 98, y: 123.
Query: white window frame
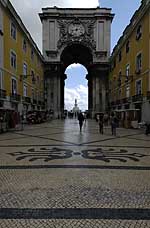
x: 25, y: 90
x: 33, y: 94
x: 138, y: 32
x: 1, y: 79
x: 127, y: 90
x: 12, y: 90
x: 24, y: 47
x: 33, y: 76
x: 25, y: 72
x: 14, y: 37
x: 138, y: 66
x: 14, y: 65
x: 136, y: 90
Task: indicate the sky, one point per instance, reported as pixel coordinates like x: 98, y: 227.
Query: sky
x: 75, y: 84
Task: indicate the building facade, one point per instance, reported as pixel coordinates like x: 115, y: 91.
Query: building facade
x: 21, y: 64
x: 129, y: 79
x: 76, y: 35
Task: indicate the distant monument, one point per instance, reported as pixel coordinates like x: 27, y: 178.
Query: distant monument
x: 76, y: 109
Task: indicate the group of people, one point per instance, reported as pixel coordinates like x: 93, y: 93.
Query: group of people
x: 113, y: 122
x: 102, y: 119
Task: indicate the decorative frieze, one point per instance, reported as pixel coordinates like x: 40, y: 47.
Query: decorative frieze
x: 77, y: 31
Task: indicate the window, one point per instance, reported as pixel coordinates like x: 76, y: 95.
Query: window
x: 24, y: 69
x: 13, y: 86
x: 25, y: 89
x: 38, y: 80
x: 1, y: 79
x: 13, y: 59
x: 138, y: 87
x: 37, y: 96
x: 114, y: 63
x: 32, y: 54
x: 120, y: 56
x: 1, y: 30
x: 32, y: 93
x: 127, y: 46
x: 13, y: 31
x: 138, y: 32
x: 127, y: 72
x: 127, y: 91
x: 138, y: 63
x: 33, y: 76
x: 119, y: 79
x: 24, y: 45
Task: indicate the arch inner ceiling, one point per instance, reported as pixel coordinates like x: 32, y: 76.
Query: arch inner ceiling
x: 76, y: 53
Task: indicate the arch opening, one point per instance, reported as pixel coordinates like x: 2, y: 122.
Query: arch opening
x: 76, y: 87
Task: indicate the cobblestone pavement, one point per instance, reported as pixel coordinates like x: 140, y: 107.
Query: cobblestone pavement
x: 51, y: 175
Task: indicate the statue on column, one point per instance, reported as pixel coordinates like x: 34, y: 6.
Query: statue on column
x: 75, y: 109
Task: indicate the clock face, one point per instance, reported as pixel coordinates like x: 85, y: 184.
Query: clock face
x: 76, y: 30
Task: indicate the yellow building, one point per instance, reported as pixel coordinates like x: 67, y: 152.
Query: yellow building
x: 21, y: 64
x: 129, y: 78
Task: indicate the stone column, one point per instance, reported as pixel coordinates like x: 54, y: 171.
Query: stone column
x: 103, y: 96
x: 57, y: 94
x: 49, y: 94
x: 97, y: 94
x: 94, y: 96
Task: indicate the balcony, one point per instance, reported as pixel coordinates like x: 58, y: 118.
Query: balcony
x: 126, y: 100
x: 39, y: 102
x: 34, y: 101
x: 26, y: 100
x: 2, y: 94
x: 113, y: 103
x: 118, y: 102
x: 137, y: 98
x: 15, y: 97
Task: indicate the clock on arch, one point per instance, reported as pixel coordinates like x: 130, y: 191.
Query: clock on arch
x: 76, y: 30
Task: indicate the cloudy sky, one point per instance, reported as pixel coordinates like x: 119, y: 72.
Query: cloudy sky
x: 76, y: 84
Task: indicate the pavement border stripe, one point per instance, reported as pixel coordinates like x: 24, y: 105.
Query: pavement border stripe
x: 137, y: 168
x: 75, y: 213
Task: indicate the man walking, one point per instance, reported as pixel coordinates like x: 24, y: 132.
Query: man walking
x: 101, y: 124
x: 81, y: 119
x: 114, y: 123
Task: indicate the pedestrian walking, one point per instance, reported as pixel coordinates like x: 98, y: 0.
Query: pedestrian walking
x: 80, y: 119
x: 101, y: 124
x: 114, y: 123
x: 147, y: 130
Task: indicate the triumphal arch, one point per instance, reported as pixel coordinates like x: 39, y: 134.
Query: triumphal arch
x: 76, y: 35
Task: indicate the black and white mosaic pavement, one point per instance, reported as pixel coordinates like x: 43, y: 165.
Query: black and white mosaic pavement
x: 51, y: 175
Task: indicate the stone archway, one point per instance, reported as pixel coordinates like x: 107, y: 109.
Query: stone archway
x: 76, y: 36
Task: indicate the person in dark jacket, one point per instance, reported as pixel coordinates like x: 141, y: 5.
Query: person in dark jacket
x: 101, y: 123
x: 81, y: 119
x: 147, y: 130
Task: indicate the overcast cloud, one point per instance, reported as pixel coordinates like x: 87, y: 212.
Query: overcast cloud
x: 28, y: 11
x: 80, y: 93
